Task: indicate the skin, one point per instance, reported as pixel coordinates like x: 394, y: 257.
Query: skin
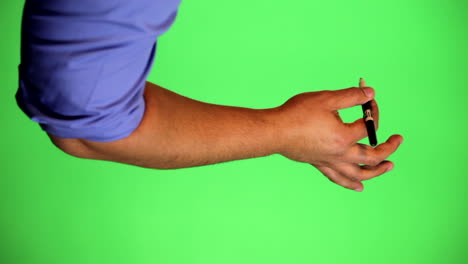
x: 179, y: 132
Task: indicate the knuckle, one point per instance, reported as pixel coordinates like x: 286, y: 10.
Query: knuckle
x: 357, y: 89
x: 386, y: 152
x: 326, y: 98
x: 353, y: 175
x: 373, y: 160
x: 346, y: 139
x: 339, y: 142
x: 358, y: 176
x: 355, y: 178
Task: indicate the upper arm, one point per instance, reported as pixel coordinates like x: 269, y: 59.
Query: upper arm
x: 84, y: 65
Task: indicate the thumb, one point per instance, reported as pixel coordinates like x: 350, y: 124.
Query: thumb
x: 349, y: 97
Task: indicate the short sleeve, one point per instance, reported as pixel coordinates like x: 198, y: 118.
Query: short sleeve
x: 84, y: 64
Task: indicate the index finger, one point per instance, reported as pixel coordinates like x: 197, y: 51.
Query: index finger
x: 349, y: 97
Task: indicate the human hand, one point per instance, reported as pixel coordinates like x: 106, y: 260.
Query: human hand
x: 316, y: 134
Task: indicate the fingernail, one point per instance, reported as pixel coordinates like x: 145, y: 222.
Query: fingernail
x: 368, y: 91
x: 390, y: 167
x: 359, y: 189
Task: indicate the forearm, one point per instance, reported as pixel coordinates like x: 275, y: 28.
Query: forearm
x: 178, y: 132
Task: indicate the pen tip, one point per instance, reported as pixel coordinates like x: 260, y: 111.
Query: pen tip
x: 362, y: 83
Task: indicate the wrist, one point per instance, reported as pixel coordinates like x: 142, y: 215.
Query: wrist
x: 279, y: 132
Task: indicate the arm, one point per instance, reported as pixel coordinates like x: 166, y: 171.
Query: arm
x: 179, y: 132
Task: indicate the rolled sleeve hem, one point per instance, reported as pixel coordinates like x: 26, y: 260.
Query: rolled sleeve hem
x: 99, y: 134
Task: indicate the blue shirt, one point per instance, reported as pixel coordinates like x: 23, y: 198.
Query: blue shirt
x: 84, y: 63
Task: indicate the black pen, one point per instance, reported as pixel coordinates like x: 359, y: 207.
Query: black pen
x: 367, y: 110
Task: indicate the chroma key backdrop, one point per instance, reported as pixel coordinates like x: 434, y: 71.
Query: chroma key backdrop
x: 58, y: 209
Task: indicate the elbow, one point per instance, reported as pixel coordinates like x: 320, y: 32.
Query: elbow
x: 120, y: 151
x: 81, y: 148
x: 73, y: 147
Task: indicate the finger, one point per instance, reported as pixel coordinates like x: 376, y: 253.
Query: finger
x: 369, y: 172
x: 345, y: 98
x: 357, y: 129
x: 339, y: 179
x: 351, y: 171
x: 375, y: 113
x: 357, y: 172
x: 365, y: 154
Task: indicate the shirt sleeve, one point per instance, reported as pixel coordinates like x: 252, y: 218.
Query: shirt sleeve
x: 84, y: 64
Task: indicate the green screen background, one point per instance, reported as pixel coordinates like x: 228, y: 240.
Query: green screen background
x: 255, y: 53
